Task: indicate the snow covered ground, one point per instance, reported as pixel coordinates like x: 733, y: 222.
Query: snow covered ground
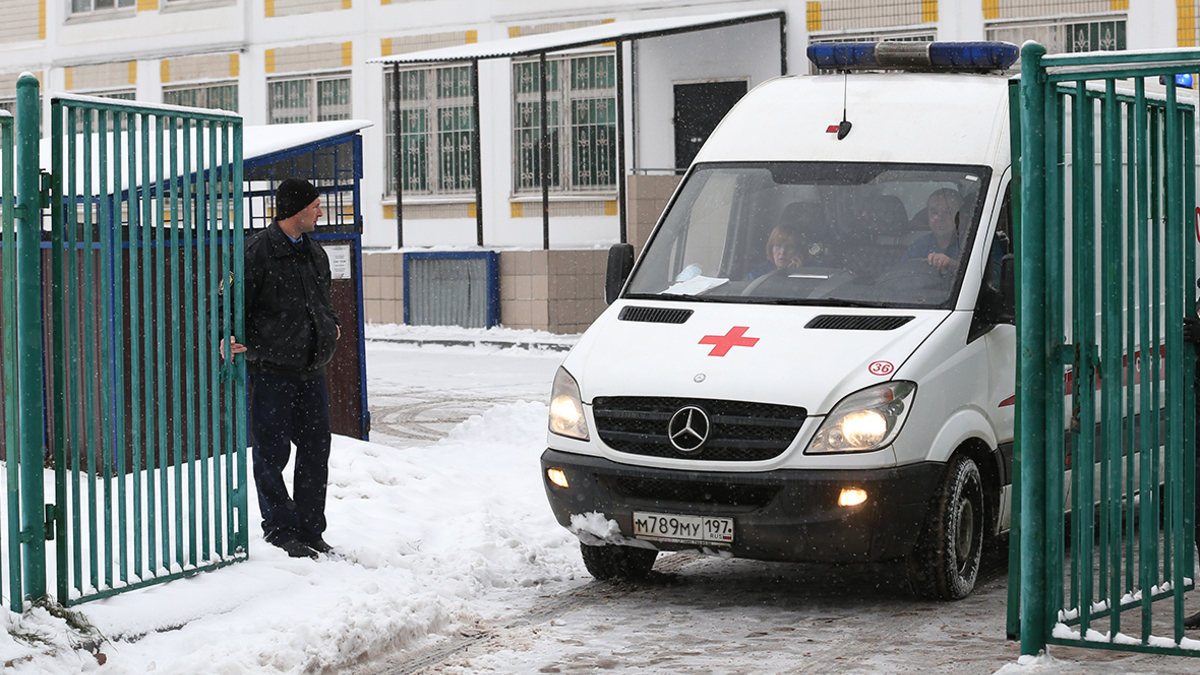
x: 443, y: 529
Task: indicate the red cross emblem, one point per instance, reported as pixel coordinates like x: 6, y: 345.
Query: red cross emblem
x: 723, y: 343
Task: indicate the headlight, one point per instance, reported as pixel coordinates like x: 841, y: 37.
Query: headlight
x: 865, y: 420
x: 566, y: 407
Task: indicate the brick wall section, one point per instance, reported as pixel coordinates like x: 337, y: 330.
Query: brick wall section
x: 383, y: 287
x: 557, y: 291
x: 647, y: 196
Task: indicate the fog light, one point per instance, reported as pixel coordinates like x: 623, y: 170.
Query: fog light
x: 852, y: 497
x: 559, y: 478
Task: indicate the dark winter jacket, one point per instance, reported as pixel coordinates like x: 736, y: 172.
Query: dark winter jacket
x: 291, y: 326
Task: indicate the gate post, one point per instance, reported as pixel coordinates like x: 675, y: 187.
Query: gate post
x: 1032, y: 356
x: 29, y: 337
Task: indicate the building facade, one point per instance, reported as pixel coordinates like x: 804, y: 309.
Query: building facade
x: 278, y: 61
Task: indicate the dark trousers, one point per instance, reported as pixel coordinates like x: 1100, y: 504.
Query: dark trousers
x: 285, y: 409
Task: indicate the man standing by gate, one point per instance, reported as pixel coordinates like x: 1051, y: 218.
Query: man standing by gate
x: 291, y: 333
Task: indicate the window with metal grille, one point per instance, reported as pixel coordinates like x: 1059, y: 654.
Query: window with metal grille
x: 309, y: 98
x: 216, y: 95
x: 1061, y: 26
x: 858, y: 15
x: 437, y: 131
x: 89, y: 6
x: 581, y: 124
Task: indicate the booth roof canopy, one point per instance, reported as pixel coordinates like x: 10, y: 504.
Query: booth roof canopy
x: 268, y: 139
x: 579, y: 37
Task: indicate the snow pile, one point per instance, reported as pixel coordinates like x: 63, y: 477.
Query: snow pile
x: 430, y: 538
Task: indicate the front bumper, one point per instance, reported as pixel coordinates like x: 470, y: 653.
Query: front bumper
x: 786, y: 515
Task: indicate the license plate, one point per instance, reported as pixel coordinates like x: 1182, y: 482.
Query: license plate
x: 683, y: 529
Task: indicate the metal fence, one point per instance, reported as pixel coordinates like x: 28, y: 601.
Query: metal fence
x: 1106, y: 418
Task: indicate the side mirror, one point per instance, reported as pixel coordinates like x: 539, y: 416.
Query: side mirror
x: 620, y: 264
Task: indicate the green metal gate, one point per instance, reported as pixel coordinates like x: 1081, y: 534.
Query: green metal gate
x: 146, y: 422
x: 1105, y: 419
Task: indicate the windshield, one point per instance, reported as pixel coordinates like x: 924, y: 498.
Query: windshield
x: 888, y: 235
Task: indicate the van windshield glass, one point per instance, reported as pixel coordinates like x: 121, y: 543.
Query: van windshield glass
x: 889, y: 235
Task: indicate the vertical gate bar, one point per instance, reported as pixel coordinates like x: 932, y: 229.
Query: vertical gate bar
x: 204, y: 280
x: 12, y: 447
x: 1189, y: 304
x: 120, y: 343
x: 135, y: 349
x: 239, y: 322
x: 1149, y: 482
x: 1176, y: 228
x: 176, y: 179
x: 1148, y: 383
x: 90, y: 344
x: 58, y: 430
x: 75, y: 342
x: 1054, y: 238
x: 1013, y: 605
x: 1134, y: 350
x: 1113, y: 433
x: 221, y: 385
x: 160, y: 301
x: 1084, y: 329
x: 189, y: 330
x: 227, y: 327
x: 105, y: 328
x: 1032, y: 351
x: 149, y: 337
x: 26, y: 204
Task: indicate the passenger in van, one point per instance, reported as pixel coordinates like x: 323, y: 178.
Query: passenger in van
x: 795, y: 241
x: 940, y: 248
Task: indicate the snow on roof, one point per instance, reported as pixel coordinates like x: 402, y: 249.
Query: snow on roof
x: 580, y: 37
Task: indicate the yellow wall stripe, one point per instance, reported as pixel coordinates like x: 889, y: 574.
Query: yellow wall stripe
x: 991, y: 9
x: 1119, y: 5
x: 235, y: 64
x: 472, y: 37
x: 813, y: 14
x: 1185, y: 16
x: 164, y: 71
x: 69, y: 78
x: 514, y: 31
x: 133, y: 72
x: 347, y: 4
x: 269, y: 57
x: 518, y: 210
x: 385, y: 46
x: 147, y: 5
x: 41, y: 19
x: 929, y: 11
x: 347, y: 54
x: 269, y: 7
x: 472, y: 211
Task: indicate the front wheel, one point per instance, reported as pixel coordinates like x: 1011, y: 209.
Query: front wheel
x: 945, y: 561
x: 618, y: 562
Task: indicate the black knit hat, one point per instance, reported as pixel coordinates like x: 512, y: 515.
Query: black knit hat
x: 293, y: 196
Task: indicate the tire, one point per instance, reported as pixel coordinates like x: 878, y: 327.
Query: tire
x: 945, y: 562
x: 618, y: 562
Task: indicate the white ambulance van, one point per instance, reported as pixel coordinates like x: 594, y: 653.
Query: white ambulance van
x: 813, y: 358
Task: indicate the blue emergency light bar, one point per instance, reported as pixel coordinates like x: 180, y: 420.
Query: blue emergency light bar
x: 943, y: 56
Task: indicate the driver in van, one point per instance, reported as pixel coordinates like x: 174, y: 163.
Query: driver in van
x: 788, y: 246
x: 940, y: 248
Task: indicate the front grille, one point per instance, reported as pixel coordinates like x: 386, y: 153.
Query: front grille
x: 691, y: 492
x: 836, y: 322
x: 654, y: 314
x: 740, y: 431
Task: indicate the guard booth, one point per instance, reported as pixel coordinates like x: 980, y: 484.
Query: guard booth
x: 328, y: 155
x: 1104, y: 154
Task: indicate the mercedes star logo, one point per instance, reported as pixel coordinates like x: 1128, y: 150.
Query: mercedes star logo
x: 688, y: 429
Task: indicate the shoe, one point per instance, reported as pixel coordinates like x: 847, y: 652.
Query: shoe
x: 297, y: 549
x: 318, y: 545
x: 1192, y: 621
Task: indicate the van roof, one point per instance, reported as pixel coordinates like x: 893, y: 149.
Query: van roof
x: 895, y: 117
